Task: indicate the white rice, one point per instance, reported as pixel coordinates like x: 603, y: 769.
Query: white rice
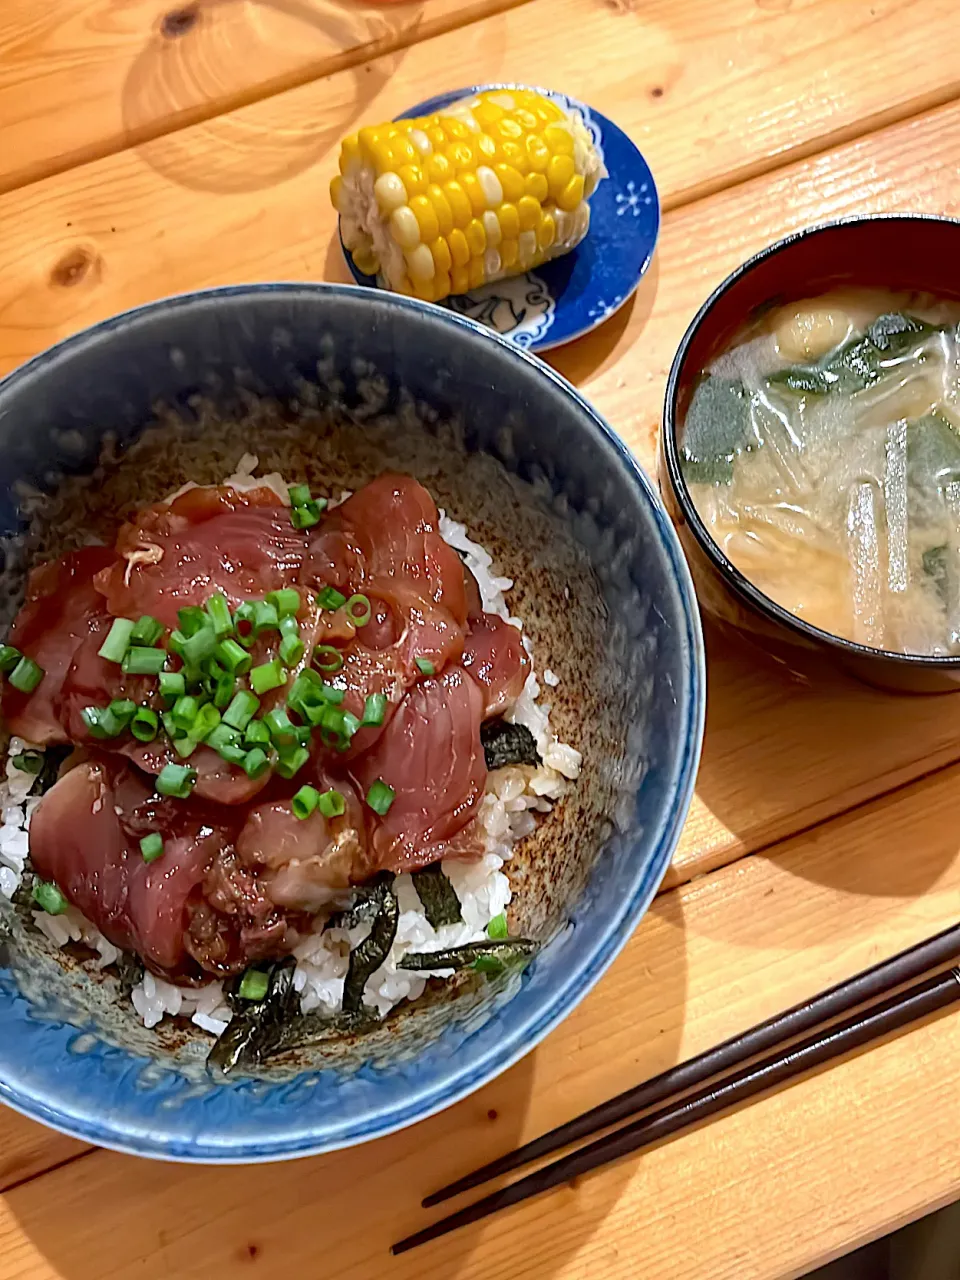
x: 507, y: 814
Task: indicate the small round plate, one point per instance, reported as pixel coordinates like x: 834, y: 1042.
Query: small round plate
x: 568, y: 297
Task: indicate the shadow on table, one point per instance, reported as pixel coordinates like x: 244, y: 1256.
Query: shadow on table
x: 198, y: 61
x: 782, y: 754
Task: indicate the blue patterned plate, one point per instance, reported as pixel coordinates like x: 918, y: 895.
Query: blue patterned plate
x: 570, y: 296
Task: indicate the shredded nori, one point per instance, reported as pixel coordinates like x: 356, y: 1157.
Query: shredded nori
x: 860, y: 362
x: 257, y: 1029
x: 129, y: 972
x: 53, y: 758
x: 370, y: 954
x: 474, y: 955
x: 505, y: 744
x: 439, y: 898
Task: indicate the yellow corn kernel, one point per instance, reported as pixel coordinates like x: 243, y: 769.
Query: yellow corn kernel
x: 426, y: 218
x: 459, y: 280
x: 515, y: 153
x: 404, y: 227
x: 402, y: 151
x: 456, y: 128
x: 441, y: 286
x: 424, y: 289
x: 476, y: 237
x: 459, y: 249
x: 509, y: 254
x: 487, y: 113
x: 527, y: 246
x: 571, y: 195
x: 460, y: 155
x: 477, y: 275
x: 404, y: 287
x: 336, y: 188
x: 547, y: 231
x: 474, y: 191
x: 366, y: 261
x: 487, y: 148
x: 411, y: 175
x: 390, y: 192
x: 380, y: 154
x: 420, y: 263
x: 491, y: 225
x: 536, y: 185
x: 559, y: 139
x: 442, y: 258
x: 441, y: 208
x: 508, y: 129
x: 368, y: 137
x: 460, y: 206
x: 528, y: 211
x: 525, y: 118
x: 559, y: 172
x: 349, y: 152
x: 545, y: 109
x: 438, y: 168
x: 436, y: 135
x: 510, y: 181
x: 509, y: 220
x: 538, y: 153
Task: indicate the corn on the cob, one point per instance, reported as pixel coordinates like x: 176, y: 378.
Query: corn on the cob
x: 491, y: 186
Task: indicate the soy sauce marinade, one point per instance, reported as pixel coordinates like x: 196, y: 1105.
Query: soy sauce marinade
x: 822, y: 451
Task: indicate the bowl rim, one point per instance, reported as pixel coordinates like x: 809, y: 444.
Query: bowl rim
x: 447, y: 1086
x: 728, y: 571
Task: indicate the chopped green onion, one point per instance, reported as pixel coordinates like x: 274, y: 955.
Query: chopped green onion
x: 306, y: 689
x: 176, y: 780
x: 169, y: 725
x: 176, y: 642
x: 185, y: 746
x: 141, y: 661
x: 497, y: 928
x: 26, y: 675
x: 301, y: 733
x: 192, y: 619
x: 224, y: 690
x: 304, y: 802
x: 300, y: 495
x: 151, y: 846
x: 208, y: 719
x: 380, y: 797
x: 28, y: 761
x: 254, y: 985
x: 332, y: 804
x: 327, y: 658
x: 219, y: 614
x: 330, y: 598
x: 256, y: 763
x: 145, y: 726
x: 243, y: 621
x: 286, y: 602
x: 488, y: 964
x: 374, y: 709
x: 308, y: 515
x: 49, y: 898
x: 289, y: 626
x: 147, y: 631
x: 359, y: 611
x: 118, y: 640
x: 101, y: 722
x: 233, y: 753
x: 234, y: 657
x: 349, y: 726
x: 184, y: 712
x: 9, y: 657
x: 281, y: 730
x: 257, y: 734
x: 172, y: 686
x: 425, y: 665
x: 241, y: 710
x: 264, y: 617
x: 200, y: 646
x: 292, y: 650
x: 270, y: 675
x: 124, y: 709
x: 291, y: 760
x: 223, y: 736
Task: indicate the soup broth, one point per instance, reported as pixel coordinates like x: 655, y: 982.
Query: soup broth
x: 822, y: 452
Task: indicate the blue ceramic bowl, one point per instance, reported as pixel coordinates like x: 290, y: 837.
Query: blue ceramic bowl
x: 511, y: 449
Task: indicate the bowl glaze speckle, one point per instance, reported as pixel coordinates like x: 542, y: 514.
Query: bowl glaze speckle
x: 361, y: 381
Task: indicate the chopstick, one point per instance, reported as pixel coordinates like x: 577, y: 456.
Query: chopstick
x: 796, y: 1021
x: 824, y: 1045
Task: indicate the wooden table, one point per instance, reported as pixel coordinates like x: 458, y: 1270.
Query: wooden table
x: 147, y: 148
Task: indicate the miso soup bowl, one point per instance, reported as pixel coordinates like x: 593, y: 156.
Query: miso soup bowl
x: 510, y: 449
x: 897, y: 252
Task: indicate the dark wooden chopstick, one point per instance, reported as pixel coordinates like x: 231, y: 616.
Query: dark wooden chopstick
x: 802, y: 1018
x: 899, y: 1010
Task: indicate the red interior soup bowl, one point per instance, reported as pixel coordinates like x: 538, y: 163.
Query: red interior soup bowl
x: 887, y: 578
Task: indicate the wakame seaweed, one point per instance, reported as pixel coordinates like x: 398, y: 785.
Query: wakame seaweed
x: 717, y: 427
x: 474, y: 955
x: 370, y: 954
x: 256, y: 1029
x: 859, y: 362
x: 933, y: 452
x: 437, y: 895
x: 505, y: 744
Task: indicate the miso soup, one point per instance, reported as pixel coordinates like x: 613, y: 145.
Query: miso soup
x: 822, y: 452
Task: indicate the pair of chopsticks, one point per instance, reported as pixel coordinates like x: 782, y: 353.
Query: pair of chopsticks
x: 888, y: 1009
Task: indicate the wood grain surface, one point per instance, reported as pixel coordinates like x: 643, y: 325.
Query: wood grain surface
x: 768, y: 1191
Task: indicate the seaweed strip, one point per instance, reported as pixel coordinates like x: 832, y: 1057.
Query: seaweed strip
x: 256, y: 1030
x: 471, y: 956
x: 129, y: 972
x: 505, y: 744
x: 369, y: 955
x: 437, y: 895
x: 53, y: 758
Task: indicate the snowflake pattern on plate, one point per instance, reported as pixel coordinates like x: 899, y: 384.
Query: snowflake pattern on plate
x: 568, y: 297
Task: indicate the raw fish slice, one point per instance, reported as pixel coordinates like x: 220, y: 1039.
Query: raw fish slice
x: 494, y: 656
